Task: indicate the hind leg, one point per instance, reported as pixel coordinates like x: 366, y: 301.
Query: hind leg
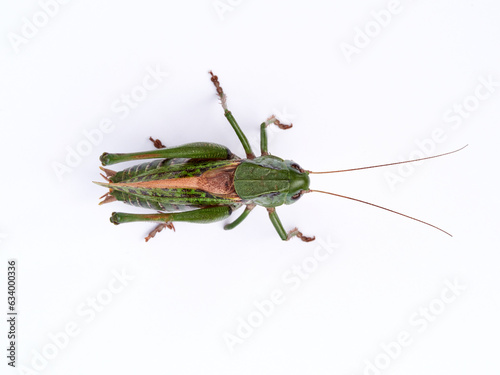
x: 197, y: 150
x: 202, y: 215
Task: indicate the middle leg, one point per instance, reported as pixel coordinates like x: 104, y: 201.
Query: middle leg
x: 223, y: 99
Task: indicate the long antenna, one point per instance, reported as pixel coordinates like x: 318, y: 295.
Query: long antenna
x: 387, y: 209
x: 386, y: 165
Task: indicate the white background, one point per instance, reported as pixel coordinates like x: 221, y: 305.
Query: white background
x: 192, y: 288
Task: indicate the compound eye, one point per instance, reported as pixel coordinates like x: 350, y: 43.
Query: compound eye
x: 297, y: 196
x: 297, y: 167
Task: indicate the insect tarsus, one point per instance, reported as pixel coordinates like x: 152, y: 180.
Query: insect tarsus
x: 159, y: 228
x: 157, y: 143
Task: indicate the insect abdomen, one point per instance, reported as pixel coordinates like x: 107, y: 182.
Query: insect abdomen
x: 176, y: 184
x: 170, y: 199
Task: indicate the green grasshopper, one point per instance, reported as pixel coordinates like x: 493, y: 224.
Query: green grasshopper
x: 205, y: 182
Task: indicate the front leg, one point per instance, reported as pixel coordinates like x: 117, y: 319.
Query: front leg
x: 263, y: 133
x: 281, y: 231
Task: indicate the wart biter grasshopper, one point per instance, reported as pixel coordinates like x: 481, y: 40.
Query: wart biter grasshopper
x: 205, y: 182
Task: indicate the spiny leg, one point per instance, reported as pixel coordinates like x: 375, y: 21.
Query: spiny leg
x: 157, y: 143
x: 240, y: 218
x: 202, y: 215
x: 223, y: 99
x: 263, y: 133
x: 281, y: 231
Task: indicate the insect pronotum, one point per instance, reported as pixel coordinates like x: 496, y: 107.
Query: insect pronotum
x: 205, y: 182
